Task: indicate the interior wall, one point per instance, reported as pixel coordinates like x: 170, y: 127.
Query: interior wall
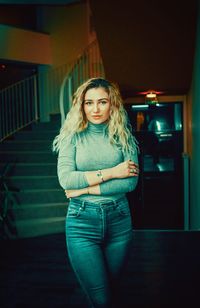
x: 195, y: 163
x: 24, y: 45
x: 68, y: 28
x: 189, y: 121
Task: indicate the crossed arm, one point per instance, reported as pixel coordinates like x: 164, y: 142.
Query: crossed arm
x: 121, y: 178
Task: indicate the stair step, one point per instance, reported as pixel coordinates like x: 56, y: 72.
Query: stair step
x: 42, y: 210
x: 27, y: 156
x: 39, y: 196
x: 55, y: 126
x: 30, y: 168
x: 33, y: 182
x: 55, y: 117
x: 37, y: 227
x: 26, y: 145
x: 40, y: 205
x: 36, y: 135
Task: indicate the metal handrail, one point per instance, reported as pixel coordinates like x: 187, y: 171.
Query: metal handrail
x: 88, y: 65
x: 20, y: 103
x: 18, y: 106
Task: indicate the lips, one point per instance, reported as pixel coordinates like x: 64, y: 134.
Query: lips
x: 96, y: 116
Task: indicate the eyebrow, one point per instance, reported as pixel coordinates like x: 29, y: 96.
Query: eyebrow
x: 100, y: 99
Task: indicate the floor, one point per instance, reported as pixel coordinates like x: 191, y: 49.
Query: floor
x: 163, y: 271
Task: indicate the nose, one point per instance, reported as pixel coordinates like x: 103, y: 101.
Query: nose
x: 96, y: 107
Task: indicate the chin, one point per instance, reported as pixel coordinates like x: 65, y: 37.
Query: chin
x: 97, y: 121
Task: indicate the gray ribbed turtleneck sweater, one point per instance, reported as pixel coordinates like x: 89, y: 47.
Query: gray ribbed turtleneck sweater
x: 88, y: 151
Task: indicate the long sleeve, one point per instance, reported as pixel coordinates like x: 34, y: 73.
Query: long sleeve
x: 68, y: 175
x: 91, y: 150
x: 125, y: 185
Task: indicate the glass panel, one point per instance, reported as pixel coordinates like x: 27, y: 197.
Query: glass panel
x: 158, y: 128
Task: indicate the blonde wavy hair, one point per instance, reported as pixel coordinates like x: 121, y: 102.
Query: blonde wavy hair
x: 119, y: 130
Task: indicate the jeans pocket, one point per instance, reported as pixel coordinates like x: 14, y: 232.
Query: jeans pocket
x: 74, y: 210
x: 123, y: 209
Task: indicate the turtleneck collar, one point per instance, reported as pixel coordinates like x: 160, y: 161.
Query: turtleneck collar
x: 97, y: 128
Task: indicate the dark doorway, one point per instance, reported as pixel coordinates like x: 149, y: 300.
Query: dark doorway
x: 157, y: 202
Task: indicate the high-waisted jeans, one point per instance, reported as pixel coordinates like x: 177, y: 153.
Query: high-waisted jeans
x: 98, y: 239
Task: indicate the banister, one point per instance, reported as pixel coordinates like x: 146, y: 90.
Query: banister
x: 19, y: 104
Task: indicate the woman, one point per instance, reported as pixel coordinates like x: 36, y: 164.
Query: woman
x: 97, y: 166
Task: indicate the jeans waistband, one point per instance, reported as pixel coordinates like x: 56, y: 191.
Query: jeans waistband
x: 111, y: 203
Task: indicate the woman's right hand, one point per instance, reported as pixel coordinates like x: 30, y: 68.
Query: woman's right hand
x: 126, y: 169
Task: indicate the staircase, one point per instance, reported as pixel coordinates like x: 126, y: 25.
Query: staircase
x: 40, y: 206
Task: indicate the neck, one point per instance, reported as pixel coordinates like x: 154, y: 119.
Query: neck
x: 97, y: 128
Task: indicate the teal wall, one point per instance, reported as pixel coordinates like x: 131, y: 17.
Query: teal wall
x: 69, y: 36
x: 195, y: 156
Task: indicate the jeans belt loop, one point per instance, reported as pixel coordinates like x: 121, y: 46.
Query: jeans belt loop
x: 83, y: 204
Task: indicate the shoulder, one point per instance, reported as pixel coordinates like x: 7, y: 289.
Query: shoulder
x: 68, y: 140
x: 74, y: 139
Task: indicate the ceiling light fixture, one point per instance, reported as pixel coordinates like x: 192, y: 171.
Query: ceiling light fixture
x: 151, y: 96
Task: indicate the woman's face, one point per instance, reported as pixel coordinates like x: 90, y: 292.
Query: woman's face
x: 97, y: 105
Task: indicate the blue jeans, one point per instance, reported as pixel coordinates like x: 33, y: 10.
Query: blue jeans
x: 98, y: 239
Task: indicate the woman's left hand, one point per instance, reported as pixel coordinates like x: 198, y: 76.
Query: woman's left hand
x: 73, y: 193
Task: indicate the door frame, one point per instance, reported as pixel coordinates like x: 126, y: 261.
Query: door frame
x: 187, y: 139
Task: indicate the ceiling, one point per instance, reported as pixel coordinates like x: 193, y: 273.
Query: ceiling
x: 147, y: 44
x: 41, y: 2
x: 22, y: 14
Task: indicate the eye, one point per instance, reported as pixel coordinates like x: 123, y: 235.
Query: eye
x: 104, y: 102
x: 88, y: 103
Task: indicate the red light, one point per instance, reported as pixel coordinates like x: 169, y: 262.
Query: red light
x: 150, y: 91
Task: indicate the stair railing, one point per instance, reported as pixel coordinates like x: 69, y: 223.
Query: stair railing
x: 88, y: 65
x: 18, y: 106
x: 20, y: 103
x: 60, y: 83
